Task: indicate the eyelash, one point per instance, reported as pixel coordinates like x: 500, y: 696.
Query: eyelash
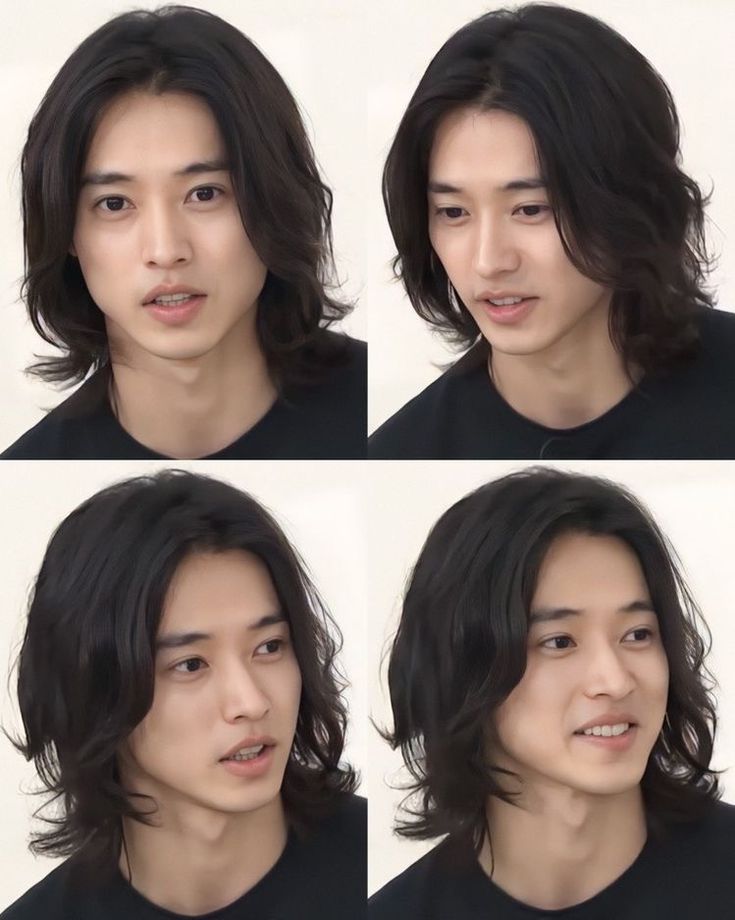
x: 444, y: 211
x: 544, y: 644
x: 281, y: 643
x: 199, y: 188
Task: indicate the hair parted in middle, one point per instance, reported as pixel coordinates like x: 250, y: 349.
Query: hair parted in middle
x: 86, y: 669
x: 284, y: 204
x: 461, y: 648
x: 606, y: 133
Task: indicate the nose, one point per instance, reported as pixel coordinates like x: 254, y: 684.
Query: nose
x: 241, y: 696
x: 495, y: 252
x: 606, y: 673
x: 164, y: 237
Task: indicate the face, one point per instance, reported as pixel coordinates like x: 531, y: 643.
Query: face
x: 595, y: 656
x: 491, y: 226
x: 174, y: 221
x: 226, y: 675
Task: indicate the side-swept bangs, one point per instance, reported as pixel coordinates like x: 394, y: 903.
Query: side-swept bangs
x: 607, y: 138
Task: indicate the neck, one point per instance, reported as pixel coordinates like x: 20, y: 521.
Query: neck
x: 192, y: 407
x: 196, y: 861
x: 561, y: 847
x: 575, y: 381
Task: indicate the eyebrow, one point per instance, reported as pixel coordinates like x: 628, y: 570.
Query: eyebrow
x: 549, y: 614
x: 193, y: 169
x: 180, y: 639
x: 446, y: 188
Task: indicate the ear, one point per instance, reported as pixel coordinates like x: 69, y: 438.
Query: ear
x: 72, y: 251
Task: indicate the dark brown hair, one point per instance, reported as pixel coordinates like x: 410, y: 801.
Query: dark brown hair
x: 607, y: 137
x: 461, y: 647
x: 86, y: 670
x: 284, y: 204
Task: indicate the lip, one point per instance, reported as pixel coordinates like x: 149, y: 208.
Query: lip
x: 499, y: 295
x: 613, y: 743
x: 176, y: 314
x: 250, y: 768
x: 608, y: 718
x: 170, y: 289
x: 508, y: 315
x: 249, y: 742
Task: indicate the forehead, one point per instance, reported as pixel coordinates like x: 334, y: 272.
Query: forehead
x: 482, y: 148
x: 231, y: 588
x: 587, y: 571
x: 142, y: 133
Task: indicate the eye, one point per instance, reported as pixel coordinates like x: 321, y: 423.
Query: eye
x: 210, y: 193
x: 641, y: 634
x: 271, y: 648
x: 450, y: 213
x: 558, y: 643
x: 188, y: 670
x: 533, y: 210
x: 116, y: 203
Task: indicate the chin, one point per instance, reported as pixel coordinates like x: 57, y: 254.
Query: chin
x: 612, y: 784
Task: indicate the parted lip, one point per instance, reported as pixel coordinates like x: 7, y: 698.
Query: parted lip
x: 608, y: 718
x: 499, y: 295
x: 248, y: 742
x: 169, y: 289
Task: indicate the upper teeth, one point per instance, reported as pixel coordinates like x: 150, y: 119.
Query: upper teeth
x: 506, y: 301
x: 607, y: 730
x: 247, y: 752
x: 173, y: 298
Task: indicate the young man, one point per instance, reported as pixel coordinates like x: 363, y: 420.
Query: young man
x: 563, y: 743
x: 178, y: 692
x: 178, y: 247
x: 542, y: 223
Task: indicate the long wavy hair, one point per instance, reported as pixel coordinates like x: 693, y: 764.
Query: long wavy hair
x: 607, y: 137
x: 461, y: 648
x: 284, y: 204
x: 86, y: 669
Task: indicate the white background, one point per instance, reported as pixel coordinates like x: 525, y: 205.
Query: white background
x: 318, y: 49
x: 688, y: 42
x: 319, y: 506
x: 693, y: 503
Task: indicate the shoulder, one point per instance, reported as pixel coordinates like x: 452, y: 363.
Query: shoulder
x: 431, y: 881
x: 55, y: 436
x: 344, y: 357
x: 714, y: 323
x: 712, y: 833
x: 325, y: 418
x: 418, y: 430
x: 717, y: 337
x: 346, y: 822
x: 45, y: 899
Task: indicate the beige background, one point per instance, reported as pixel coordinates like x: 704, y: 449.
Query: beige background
x: 694, y: 503
x: 320, y: 506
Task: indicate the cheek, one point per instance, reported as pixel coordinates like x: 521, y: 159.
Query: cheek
x: 655, y: 676
x: 533, y: 712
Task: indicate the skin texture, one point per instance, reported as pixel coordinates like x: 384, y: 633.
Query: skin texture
x: 210, y: 695
x: 161, y: 228
x: 581, y: 821
x: 557, y: 364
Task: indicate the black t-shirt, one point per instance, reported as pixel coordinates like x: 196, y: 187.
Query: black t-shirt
x: 688, y: 875
x: 322, y: 421
x: 320, y: 877
x: 687, y: 413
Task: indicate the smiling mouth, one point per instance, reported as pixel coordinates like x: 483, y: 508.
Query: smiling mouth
x: 606, y: 731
